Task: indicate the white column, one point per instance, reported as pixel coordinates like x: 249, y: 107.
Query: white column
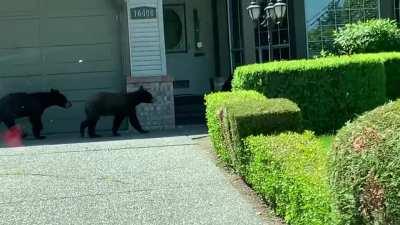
x: 146, y: 38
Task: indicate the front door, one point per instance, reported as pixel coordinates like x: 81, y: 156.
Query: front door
x: 189, y: 39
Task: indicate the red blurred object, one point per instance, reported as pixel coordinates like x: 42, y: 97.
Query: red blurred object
x: 13, y: 137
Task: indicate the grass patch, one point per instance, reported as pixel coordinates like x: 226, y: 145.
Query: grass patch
x: 326, y: 142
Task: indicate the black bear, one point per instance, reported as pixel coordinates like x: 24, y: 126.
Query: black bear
x: 32, y: 105
x: 117, y: 105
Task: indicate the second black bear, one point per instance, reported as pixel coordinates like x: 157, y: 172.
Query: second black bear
x: 117, y: 105
x: 17, y: 105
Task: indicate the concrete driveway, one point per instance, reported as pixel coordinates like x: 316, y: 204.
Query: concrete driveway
x: 159, y: 178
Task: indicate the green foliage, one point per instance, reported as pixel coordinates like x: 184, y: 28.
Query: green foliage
x: 326, y: 141
x: 214, y: 104
x: 253, y: 118
x: 365, y: 168
x: 289, y: 170
x: 378, y: 35
x: 392, y: 69
x: 329, y: 91
x: 232, y: 116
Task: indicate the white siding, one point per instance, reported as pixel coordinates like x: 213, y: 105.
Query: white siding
x: 146, y: 40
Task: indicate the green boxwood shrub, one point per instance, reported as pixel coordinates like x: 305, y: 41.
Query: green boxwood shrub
x: 215, y: 102
x: 391, y: 61
x: 329, y: 91
x: 365, y: 168
x: 378, y: 35
x: 232, y: 116
x: 253, y: 118
x: 290, y: 171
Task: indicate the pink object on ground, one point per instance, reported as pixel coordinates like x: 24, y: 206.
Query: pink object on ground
x: 13, y: 137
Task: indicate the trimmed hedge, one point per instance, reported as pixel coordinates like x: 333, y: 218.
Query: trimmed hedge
x: 249, y: 118
x: 214, y: 103
x: 391, y: 61
x: 232, y: 116
x: 329, y: 91
x: 365, y: 168
x: 289, y: 171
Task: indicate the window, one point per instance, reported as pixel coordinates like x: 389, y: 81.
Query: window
x: 280, y: 40
x: 236, y: 35
x: 175, y: 28
x: 325, y: 16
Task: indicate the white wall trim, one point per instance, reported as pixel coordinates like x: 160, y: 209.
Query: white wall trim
x: 146, y: 41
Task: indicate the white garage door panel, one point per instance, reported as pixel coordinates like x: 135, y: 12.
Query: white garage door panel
x: 19, y: 33
x: 87, y: 53
x: 74, y: 31
x: 83, y: 81
x: 20, y: 56
x: 70, y: 45
x: 23, y: 71
x: 72, y: 68
x: 20, y: 62
x: 58, y: 8
x: 19, y: 8
x: 29, y: 84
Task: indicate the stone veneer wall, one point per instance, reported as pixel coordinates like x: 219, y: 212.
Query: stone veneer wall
x: 161, y: 114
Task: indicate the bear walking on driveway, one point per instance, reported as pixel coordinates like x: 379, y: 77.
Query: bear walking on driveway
x: 117, y: 105
x: 17, y: 105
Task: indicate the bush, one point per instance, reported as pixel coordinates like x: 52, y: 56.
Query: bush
x: 253, y: 118
x: 392, y: 69
x: 290, y: 171
x: 329, y: 91
x: 365, y: 168
x: 232, y: 116
x: 214, y: 103
x: 378, y: 35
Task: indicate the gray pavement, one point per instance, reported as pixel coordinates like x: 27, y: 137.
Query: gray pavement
x: 159, y: 178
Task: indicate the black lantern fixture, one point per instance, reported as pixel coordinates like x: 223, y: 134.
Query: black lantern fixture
x: 274, y: 14
x: 280, y: 10
x: 270, y: 11
x: 254, y: 10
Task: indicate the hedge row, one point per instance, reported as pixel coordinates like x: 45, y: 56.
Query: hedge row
x: 289, y: 171
x: 214, y: 104
x: 329, y: 91
x: 232, y: 116
x: 392, y: 70
x: 365, y: 168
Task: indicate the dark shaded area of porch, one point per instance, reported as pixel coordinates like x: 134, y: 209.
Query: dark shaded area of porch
x: 189, y: 110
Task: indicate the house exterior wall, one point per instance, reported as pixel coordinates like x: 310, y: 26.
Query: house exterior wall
x: 298, y: 28
x: 223, y: 38
x: 146, y: 39
x: 387, y: 9
x: 147, y: 65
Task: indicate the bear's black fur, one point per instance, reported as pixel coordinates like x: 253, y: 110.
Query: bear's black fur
x: 117, y: 105
x: 33, y: 105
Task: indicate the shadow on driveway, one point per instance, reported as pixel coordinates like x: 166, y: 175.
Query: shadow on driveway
x: 74, y: 138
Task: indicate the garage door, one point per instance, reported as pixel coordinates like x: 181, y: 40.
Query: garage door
x: 71, y: 45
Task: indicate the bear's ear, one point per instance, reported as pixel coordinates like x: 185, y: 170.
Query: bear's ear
x: 141, y: 88
x: 54, y: 91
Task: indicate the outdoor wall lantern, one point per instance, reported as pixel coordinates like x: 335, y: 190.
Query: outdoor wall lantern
x: 274, y: 14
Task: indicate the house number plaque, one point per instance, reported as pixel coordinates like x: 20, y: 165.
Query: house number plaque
x: 143, y: 13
